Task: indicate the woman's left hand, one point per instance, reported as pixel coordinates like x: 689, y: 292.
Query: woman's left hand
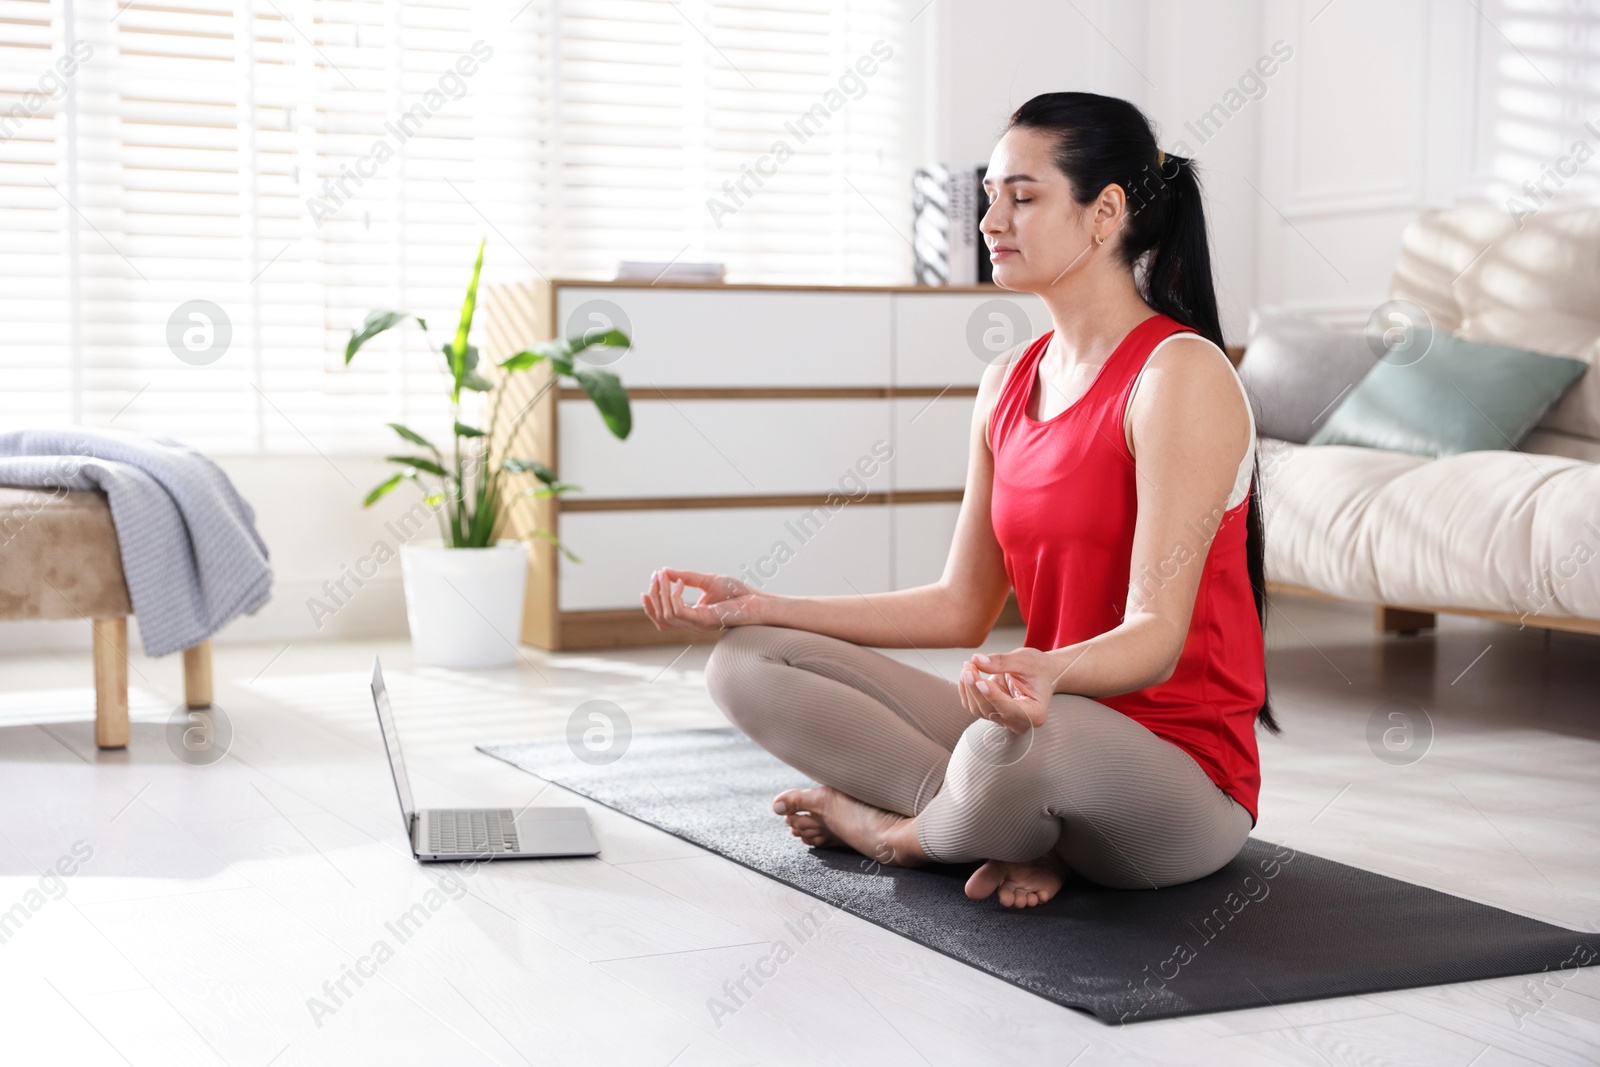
x: 1017, y: 693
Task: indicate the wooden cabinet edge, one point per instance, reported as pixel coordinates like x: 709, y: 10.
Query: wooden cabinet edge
x: 514, y: 316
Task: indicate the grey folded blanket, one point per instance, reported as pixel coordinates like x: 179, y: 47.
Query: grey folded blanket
x: 190, y: 551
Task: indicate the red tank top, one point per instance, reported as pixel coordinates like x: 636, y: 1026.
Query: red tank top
x: 1063, y: 510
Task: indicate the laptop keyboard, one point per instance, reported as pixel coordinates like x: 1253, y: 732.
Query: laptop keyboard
x: 471, y: 832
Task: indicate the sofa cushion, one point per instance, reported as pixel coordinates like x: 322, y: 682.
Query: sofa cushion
x: 1435, y: 248
x: 1460, y: 396
x: 1492, y: 531
x: 1534, y: 287
x: 1294, y: 371
x: 59, y: 557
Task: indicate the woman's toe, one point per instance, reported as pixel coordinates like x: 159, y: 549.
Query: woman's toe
x: 787, y: 802
x: 985, y: 880
x: 793, y: 800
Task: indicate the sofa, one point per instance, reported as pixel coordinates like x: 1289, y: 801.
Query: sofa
x: 1507, y: 535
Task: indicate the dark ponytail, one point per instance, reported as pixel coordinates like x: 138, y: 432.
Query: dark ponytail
x: 1101, y: 141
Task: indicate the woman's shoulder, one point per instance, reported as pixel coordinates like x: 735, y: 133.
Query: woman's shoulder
x: 1187, y: 360
x: 1184, y: 374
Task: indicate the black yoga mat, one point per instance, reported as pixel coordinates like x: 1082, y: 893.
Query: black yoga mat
x: 1274, y: 925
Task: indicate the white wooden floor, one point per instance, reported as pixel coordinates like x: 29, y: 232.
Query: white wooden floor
x: 217, y: 902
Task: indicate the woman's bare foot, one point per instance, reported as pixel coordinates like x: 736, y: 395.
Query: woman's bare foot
x: 1021, y: 884
x: 824, y: 817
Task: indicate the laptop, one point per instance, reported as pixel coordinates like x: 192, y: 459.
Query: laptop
x: 443, y: 834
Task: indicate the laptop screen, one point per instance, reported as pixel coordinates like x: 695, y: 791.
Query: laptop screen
x: 391, y: 741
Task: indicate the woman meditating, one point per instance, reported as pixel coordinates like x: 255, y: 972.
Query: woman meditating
x: 1109, y: 483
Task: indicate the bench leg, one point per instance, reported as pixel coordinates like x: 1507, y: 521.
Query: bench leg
x: 1389, y: 620
x: 111, y: 682
x: 197, y: 675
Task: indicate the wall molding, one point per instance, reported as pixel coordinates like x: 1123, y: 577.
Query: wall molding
x: 1409, y: 191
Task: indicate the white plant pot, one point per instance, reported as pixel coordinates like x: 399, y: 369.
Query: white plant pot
x: 464, y: 605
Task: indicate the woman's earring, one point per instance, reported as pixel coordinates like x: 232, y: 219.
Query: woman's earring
x: 1099, y: 240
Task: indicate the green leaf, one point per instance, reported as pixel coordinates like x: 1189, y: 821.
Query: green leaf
x: 553, y: 489
x: 524, y: 360
x: 564, y: 348
x: 413, y: 436
x: 469, y: 377
x: 529, y: 466
x: 603, y: 339
x: 382, y: 489
x: 458, y: 347
x: 375, y: 323
x: 565, y: 551
x: 606, y: 390
x: 484, y: 520
x: 561, y: 351
x: 463, y: 430
x: 421, y: 463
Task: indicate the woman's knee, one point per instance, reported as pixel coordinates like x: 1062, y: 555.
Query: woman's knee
x: 993, y: 803
x: 1002, y: 768
x: 735, y: 671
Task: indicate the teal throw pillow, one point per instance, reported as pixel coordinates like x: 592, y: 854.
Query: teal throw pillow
x: 1460, y: 396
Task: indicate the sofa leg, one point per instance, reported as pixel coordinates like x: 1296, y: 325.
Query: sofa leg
x: 1402, y: 620
x: 197, y: 675
x: 111, y: 682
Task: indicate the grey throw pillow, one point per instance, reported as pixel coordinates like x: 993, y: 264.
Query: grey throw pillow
x: 1460, y: 396
x: 1295, y: 371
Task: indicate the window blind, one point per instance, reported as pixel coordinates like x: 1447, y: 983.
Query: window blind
x: 200, y: 198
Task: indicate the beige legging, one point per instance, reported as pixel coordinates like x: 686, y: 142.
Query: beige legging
x: 1121, y: 806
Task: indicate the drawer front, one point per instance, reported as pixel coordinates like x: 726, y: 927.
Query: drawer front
x: 951, y: 338
x: 729, y: 448
x: 931, y: 442
x: 785, y: 550
x: 921, y: 542
x: 693, y: 337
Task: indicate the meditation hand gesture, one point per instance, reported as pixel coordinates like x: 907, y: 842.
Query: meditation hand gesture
x: 723, y: 601
x: 1017, y: 692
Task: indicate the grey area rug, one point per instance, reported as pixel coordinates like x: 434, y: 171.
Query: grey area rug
x: 1272, y: 926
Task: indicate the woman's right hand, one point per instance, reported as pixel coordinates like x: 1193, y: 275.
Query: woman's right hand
x: 723, y: 601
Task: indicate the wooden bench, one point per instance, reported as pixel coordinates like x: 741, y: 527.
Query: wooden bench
x: 59, y: 559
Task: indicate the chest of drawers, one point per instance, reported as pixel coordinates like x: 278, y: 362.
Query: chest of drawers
x: 809, y: 440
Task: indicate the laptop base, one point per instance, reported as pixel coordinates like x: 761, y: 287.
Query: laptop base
x: 540, y: 833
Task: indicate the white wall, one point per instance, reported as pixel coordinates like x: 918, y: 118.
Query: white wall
x: 1384, y: 109
x: 1203, y: 53
x: 1174, y: 58
x: 1391, y: 108
x: 993, y: 55
x: 1367, y: 132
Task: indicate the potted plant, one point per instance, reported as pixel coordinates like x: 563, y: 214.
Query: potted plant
x: 464, y: 596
